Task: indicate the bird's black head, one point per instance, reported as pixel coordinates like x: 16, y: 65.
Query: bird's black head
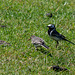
x: 51, y: 26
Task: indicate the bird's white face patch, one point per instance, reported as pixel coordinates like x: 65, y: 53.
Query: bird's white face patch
x: 51, y: 25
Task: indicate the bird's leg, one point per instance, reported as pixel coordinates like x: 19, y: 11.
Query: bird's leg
x: 36, y: 48
x: 57, y: 44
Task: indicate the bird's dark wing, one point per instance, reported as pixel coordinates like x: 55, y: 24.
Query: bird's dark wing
x: 61, y: 37
x: 58, y: 35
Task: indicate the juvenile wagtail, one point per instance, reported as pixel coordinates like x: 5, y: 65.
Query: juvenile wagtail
x: 56, y: 35
x: 36, y: 41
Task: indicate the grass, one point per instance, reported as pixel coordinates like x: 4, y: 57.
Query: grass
x: 24, y: 18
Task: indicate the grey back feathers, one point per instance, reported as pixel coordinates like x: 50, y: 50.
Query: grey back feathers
x: 38, y: 41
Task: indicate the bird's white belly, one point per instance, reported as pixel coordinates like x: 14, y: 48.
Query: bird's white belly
x: 55, y: 38
x: 37, y: 45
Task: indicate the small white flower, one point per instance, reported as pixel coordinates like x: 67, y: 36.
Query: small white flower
x: 65, y: 3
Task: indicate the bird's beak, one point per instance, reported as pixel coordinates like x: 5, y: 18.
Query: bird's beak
x: 28, y: 39
x: 47, y: 26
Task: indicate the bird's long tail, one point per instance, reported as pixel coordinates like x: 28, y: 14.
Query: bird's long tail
x: 70, y: 42
x: 45, y: 46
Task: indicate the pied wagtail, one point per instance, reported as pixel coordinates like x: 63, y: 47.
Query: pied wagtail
x: 36, y: 41
x: 56, y: 35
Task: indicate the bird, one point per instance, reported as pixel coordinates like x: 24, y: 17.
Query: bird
x: 49, y: 15
x: 37, y: 42
x: 4, y: 43
x: 3, y: 26
x: 54, y: 34
x: 57, y: 68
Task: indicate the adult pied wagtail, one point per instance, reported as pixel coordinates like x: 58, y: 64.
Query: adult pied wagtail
x: 56, y: 35
x: 36, y: 41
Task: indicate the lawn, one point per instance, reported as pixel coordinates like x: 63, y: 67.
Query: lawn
x: 24, y: 18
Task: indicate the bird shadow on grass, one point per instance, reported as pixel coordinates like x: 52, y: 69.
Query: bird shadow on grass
x: 45, y: 52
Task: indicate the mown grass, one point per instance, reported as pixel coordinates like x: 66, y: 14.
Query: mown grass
x: 24, y: 18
